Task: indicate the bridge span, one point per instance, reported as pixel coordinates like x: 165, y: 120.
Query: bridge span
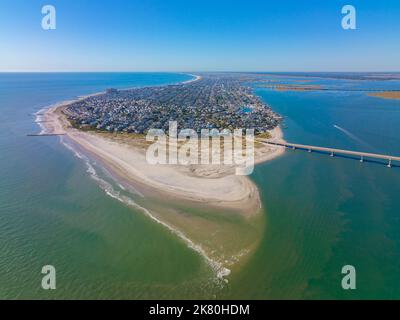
x: 333, y: 152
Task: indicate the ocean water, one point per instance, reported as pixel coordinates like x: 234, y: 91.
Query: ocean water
x: 321, y: 212
x: 53, y: 212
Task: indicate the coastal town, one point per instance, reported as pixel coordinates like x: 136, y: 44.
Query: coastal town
x: 212, y: 101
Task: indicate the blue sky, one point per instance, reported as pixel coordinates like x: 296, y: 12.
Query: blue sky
x: 186, y: 35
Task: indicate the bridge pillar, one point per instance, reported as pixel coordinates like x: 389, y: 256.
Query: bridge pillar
x: 362, y: 159
x: 294, y: 148
x: 332, y: 154
x: 389, y: 165
x: 309, y: 150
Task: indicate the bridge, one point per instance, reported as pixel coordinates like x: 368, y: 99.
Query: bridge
x: 333, y: 152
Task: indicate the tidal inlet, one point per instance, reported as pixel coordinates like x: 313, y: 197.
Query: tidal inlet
x: 193, y: 182
x: 199, y: 150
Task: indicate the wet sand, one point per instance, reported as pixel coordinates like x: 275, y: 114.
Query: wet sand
x: 386, y: 94
x: 215, y: 211
x: 215, y: 185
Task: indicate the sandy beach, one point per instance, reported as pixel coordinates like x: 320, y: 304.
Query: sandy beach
x: 195, y: 78
x: 386, y: 94
x: 214, y: 185
x: 176, y: 195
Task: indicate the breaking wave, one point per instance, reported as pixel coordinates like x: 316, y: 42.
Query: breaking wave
x: 39, y: 118
x: 217, y: 267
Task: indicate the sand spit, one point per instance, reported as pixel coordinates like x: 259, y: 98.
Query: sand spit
x: 386, y: 94
x: 170, y: 191
x: 211, y: 185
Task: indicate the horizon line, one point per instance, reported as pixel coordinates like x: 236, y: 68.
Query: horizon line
x: 205, y: 71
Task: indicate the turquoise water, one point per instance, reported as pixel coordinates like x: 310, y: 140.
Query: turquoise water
x: 321, y: 212
x: 51, y: 212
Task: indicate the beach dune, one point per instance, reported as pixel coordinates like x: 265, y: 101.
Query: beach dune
x: 213, y: 185
x: 212, y: 209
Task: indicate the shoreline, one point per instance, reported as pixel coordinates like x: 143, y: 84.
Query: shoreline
x: 215, y: 264
x: 245, y: 196
x: 196, y: 78
x: 222, y: 193
x: 389, y: 95
x: 221, y: 190
x: 39, y: 114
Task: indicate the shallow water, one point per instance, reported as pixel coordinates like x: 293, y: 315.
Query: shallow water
x: 321, y: 213
x: 52, y: 212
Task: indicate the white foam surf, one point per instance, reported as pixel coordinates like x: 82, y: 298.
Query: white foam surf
x: 39, y: 118
x: 220, y: 271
